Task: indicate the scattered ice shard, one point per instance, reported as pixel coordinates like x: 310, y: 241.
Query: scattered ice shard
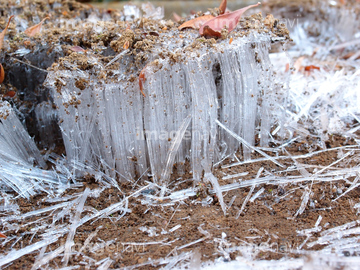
x: 75, y: 223
x: 16, y: 143
x: 131, y: 12
x: 152, y: 12
x: 15, y: 254
x: 19, y: 154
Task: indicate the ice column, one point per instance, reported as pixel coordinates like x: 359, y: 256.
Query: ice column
x: 109, y: 124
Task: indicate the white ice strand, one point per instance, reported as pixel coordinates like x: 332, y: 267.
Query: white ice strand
x: 15, y: 254
x: 74, y: 225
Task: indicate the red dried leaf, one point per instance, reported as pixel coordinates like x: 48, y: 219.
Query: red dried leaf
x: 2, y: 74
x: 2, y: 34
x: 197, y: 22
x: 229, y: 20
x: 77, y: 49
x: 2, y: 235
x: 222, y: 6
x: 142, y: 80
x: 112, y: 10
x: 33, y: 30
x: 207, y: 31
x: 10, y: 94
x: 311, y: 67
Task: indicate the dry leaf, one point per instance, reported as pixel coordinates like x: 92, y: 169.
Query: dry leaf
x: 176, y: 17
x: 197, y: 22
x: 229, y: 20
x: 2, y: 235
x: 33, y: 30
x: 222, y: 6
x: 10, y: 94
x: 77, y: 49
x: 2, y: 34
x: 142, y: 80
x: 207, y: 31
x: 311, y: 67
x: 231, y: 40
x: 2, y: 74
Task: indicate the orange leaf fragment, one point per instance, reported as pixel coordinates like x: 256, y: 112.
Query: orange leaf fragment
x: 229, y: 20
x: 287, y: 67
x: 10, y: 94
x: 111, y: 10
x: 222, y: 6
x: 2, y: 235
x: 2, y: 34
x: 231, y: 40
x: 27, y: 43
x: 311, y: 67
x: 2, y: 74
x: 142, y: 80
x: 126, y: 45
x: 197, y: 22
x: 33, y: 30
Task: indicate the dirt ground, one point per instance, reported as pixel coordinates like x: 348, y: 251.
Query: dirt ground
x: 268, y: 225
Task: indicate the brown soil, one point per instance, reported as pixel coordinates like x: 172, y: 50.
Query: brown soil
x: 269, y: 220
